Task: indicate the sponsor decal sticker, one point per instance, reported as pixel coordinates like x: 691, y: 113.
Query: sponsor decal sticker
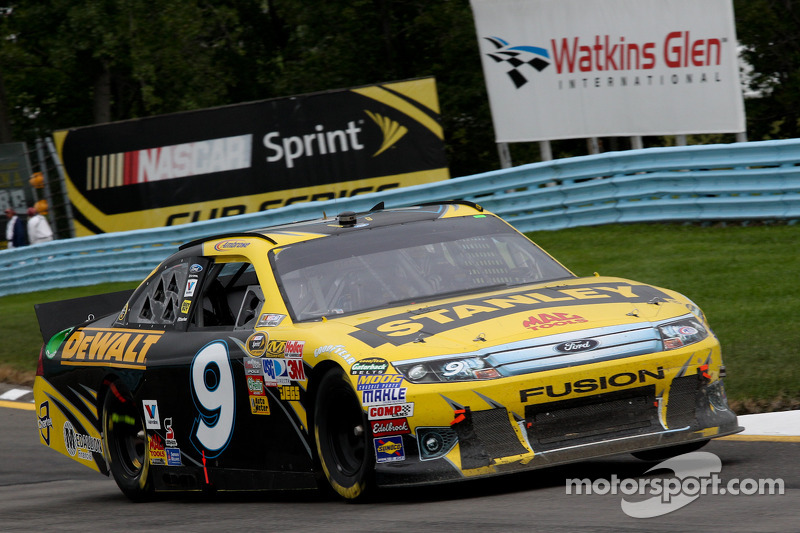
x: 191, y: 285
x: 259, y: 405
x: 230, y: 244
x: 185, y: 306
x: 151, y: 415
x: 80, y: 444
x: 158, y: 454
x: 381, y: 412
x: 269, y: 320
x: 108, y: 347
x: 45, y: 422
x: 551, y: 320
x: 405, y: 327
x: 389, y: 449
x: 173, y: 457
x: 379, y: 381
x: 394, y: 426
x: 291, y: 393
x: 257, y: 344
x: 583, y: 386
x: 255, y: 386
x: 383, y: 396
x: 370, y: 365
x: 294, y: 348
x: 170, y: 433
x: 252, y: 367
x: 195, y: 269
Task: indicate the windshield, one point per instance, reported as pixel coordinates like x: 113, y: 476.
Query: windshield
x: 407, y: 263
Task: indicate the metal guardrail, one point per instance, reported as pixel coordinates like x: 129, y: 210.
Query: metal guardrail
x: 741, y: 181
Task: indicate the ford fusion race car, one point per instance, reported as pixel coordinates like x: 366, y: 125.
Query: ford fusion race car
x: 394, y: 347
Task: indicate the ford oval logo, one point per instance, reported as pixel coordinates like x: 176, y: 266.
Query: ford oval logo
x: 581, y: 345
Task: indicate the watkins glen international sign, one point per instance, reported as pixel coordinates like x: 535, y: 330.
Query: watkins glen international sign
x: 558, y: 69
x: 200, y: 165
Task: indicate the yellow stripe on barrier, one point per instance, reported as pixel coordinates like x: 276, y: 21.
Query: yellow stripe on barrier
x: 18, y: 405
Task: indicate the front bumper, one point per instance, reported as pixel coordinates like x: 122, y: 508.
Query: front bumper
x: 671, y: 404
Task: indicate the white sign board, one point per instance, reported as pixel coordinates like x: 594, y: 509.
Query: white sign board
x: 559, y: 69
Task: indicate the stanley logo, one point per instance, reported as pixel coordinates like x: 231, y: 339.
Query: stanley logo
x: 112, y: 347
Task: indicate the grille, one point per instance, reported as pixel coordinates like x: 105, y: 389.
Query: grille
x: 556, y: 424
x: 494, y: 430
x: 681, y: 402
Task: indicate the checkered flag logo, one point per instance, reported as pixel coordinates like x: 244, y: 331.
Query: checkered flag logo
x: 517, y: 57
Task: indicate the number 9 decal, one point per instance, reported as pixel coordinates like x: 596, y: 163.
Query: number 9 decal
x: 213, y: 393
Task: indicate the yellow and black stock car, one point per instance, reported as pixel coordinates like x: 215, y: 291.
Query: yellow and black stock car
x: 394, y: 347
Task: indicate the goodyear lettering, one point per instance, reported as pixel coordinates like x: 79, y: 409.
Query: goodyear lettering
x: 114, y: 347
x: 583, y: 386
x: 405, y: 327
x: 337, y: 349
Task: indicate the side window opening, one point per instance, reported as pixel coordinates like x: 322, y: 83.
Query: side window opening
x: 231, y: 297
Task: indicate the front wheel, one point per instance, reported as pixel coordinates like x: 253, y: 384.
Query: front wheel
x: 342, y: 437
x: 125, y: 443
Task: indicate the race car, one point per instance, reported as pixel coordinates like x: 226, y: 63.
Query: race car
x: 393, y: 347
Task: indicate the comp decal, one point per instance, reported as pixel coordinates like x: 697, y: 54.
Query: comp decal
x: 406, y: 327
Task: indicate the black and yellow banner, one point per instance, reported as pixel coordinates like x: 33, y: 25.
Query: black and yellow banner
x: 200, y: 165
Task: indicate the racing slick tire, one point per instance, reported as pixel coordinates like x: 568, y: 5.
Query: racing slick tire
x: 125, y: 443
x: 662, y: 454
x: 341, y: 433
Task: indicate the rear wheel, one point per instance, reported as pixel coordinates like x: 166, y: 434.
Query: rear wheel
x: 342, y: 437
x: 125, y: 443
x: 662, y: 454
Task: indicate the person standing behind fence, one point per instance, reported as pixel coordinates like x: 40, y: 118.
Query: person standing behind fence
x: 15, y: 230
x: 38, y: 227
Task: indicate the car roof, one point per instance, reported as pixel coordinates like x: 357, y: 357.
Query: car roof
x: 348, y: 221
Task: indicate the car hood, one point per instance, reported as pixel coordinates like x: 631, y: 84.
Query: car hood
x: 481, y: 321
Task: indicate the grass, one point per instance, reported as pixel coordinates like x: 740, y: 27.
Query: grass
x: 743, y: 277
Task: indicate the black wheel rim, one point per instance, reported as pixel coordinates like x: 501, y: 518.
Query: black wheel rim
x: 346, y: 433
x: 128, y: 442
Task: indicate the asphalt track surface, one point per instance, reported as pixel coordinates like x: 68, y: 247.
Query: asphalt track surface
x: 43, y: 490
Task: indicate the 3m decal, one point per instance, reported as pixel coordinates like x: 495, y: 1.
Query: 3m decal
x: 110, y: 347
x: 389, y: 449
x: 381, y: 412
x: 406, y: 327
x: 584, y: 386
x: 396, y: 426
x: 279, y: 372
x: 213, y: 393
x: 151, y: 416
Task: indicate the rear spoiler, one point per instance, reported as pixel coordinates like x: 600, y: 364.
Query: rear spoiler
x: 56, y: 316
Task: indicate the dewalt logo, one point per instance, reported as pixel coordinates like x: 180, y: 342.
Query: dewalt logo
x: 109, y: 347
